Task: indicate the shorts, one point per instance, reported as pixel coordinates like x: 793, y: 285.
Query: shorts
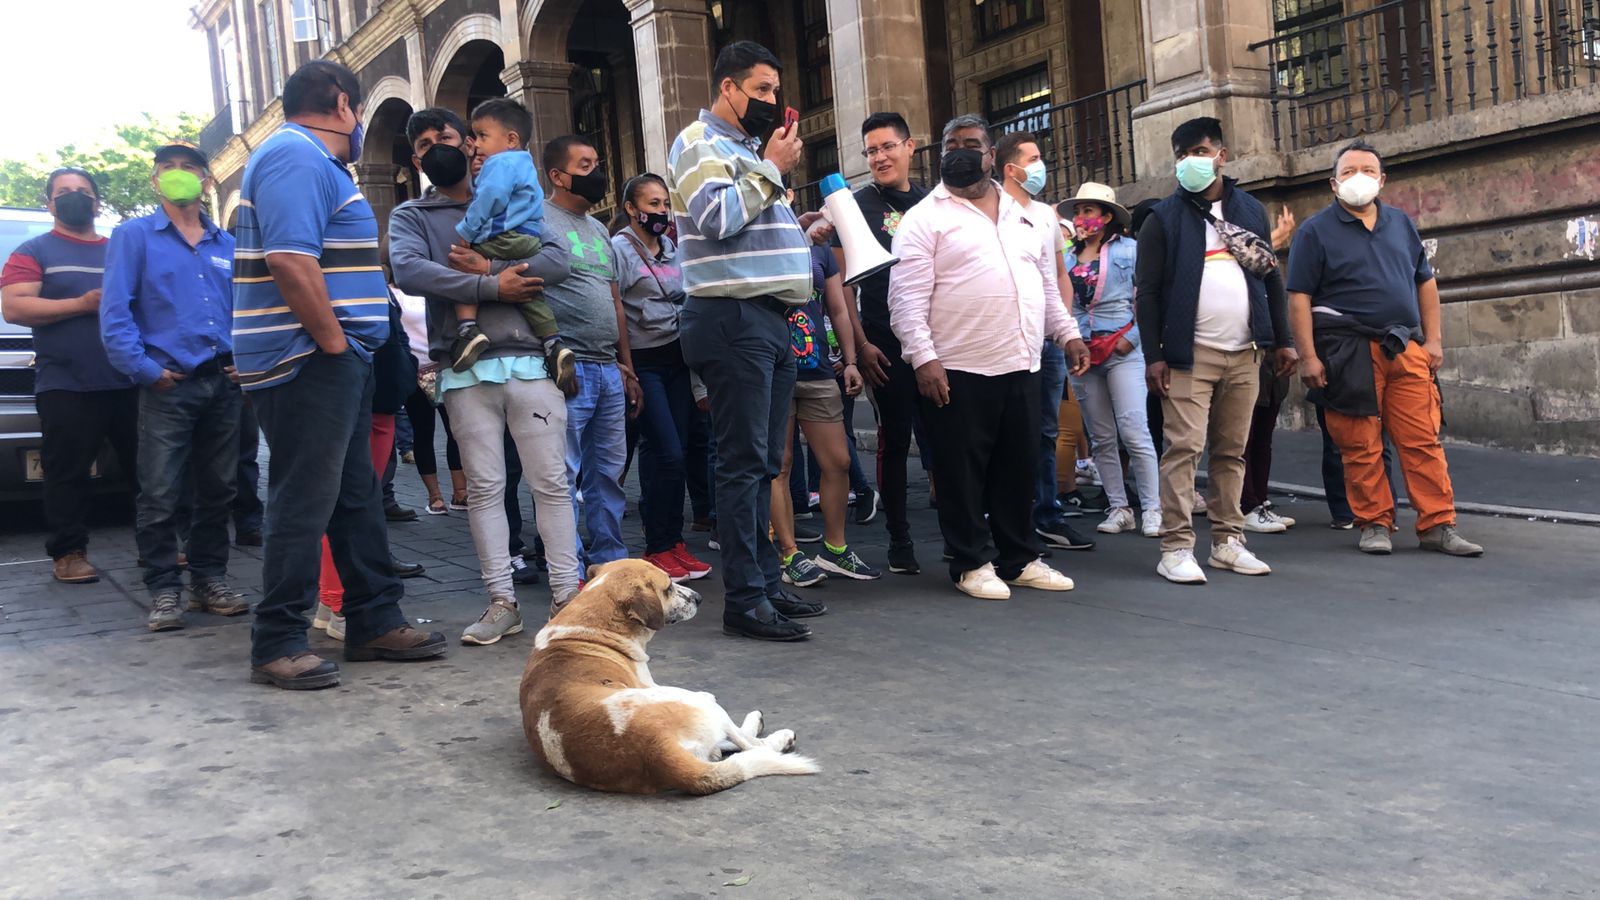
x: 817, y: 401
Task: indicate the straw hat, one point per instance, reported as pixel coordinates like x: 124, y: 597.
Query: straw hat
x: 1092, y: 192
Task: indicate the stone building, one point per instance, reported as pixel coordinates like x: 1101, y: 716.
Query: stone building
x: 1486, y: 111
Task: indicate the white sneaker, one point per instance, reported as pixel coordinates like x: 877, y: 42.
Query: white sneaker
x: 1261, y: 521
x: 1041, y: 577
x: 1200, y: 507
x: 984, y: 584
x: 1179, y: 567
x: 1150, y: 523
x: 336, y: 627
x: 321, y: 619
x: 1087, y: 472
x: 1272, y: 511
x: 1232, y: 555
x: 1117, y: 521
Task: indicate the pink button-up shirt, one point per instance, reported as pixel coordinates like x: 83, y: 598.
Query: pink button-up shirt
x: 978, y: 295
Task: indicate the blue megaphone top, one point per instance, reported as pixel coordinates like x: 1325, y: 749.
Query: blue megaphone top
x: 832, y: 183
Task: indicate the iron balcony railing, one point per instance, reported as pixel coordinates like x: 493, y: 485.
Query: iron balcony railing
x: 224, y: 125
x: 1408, y: 61
x: 1087, y: 139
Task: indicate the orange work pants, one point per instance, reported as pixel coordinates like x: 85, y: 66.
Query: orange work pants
x: 1408, y: 409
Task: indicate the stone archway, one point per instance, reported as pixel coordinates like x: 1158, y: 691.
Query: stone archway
x: 467, y: 65
x: 384, y: 172
x: 230, y: 209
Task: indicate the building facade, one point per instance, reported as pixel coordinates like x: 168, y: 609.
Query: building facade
x: 1486, y: 112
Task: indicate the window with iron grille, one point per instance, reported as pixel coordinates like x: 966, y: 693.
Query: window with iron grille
x: 269, y: 35
x: 816, y: 61
x: 1313, y: 59
x: 1019, y: 101
x: 998, y: 17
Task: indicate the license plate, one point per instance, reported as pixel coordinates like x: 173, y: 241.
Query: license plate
x: 33, y: 466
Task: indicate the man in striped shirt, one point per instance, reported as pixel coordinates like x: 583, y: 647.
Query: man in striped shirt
x: 310, y: 307
x: 746, y: 262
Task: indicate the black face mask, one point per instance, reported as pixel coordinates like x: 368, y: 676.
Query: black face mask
x: 760, y: 117
x: 591, y: 187
x: 75, y: 210
x: 961, y: 168
x: 445, y: 166
x: 655, y: 223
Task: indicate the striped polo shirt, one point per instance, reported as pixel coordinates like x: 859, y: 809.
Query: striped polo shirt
x: 297, y: 198
x: 68, y: 352
x: 737, y: 235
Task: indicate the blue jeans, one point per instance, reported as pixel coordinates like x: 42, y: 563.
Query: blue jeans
x: 1052, y: 379
x: 664, y: 439
x: 597, y: 444
x: 740, y: 348
x: 320, y: 480
x: 187, y: 436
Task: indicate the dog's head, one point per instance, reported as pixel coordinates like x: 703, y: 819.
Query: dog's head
x: 634, y: 595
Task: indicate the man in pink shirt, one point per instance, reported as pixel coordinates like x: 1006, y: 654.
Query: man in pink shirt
x: 972, y: 300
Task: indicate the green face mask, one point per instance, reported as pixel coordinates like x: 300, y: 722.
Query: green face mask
x: 179, y: 186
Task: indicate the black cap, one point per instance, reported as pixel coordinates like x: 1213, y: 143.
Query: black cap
x: 182, y: 148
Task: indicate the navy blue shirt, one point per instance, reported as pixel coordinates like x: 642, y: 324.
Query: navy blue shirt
x: 69, y: 354
x: 808, y: 334
x: 1371, y: 276
x: 165, y: 304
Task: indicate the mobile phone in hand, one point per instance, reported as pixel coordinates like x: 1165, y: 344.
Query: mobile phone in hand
x: 791, y: 118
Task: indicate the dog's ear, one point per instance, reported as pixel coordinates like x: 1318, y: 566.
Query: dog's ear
x: 644, y: 606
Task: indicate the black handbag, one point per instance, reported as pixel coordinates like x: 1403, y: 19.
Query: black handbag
x: 394, y: 369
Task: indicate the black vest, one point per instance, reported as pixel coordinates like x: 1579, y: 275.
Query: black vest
x: 1186, y: 259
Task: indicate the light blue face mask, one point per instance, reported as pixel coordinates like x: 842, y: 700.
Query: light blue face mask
x: 1034, y: 183
x: 1196, y: 173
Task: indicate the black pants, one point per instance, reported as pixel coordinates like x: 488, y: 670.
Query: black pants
x: 987, y: 442
x: 1258, y: 455
x: 423, y: 415
x: 75, y: 425
x: 896, y: 404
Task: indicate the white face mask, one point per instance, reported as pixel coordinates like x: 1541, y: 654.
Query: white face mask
x: 1358, y: 190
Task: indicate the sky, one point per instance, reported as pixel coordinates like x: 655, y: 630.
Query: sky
x: 74, y: 68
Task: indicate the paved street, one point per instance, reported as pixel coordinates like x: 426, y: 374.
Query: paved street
x: 1414, y: 726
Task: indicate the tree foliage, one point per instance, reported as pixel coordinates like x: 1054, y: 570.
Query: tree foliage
x: 122, y: 166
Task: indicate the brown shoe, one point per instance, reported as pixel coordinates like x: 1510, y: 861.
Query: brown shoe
x: 217, y: 598
x: 404, y: 642
x: 303, y: 671
x: 74, y: 568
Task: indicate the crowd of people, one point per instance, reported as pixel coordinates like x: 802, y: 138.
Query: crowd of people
x: 1020, y: 344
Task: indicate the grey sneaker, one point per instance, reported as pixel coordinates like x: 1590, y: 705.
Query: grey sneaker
x: 165, y: 612
x: 847, y: 564
x: 336, y: 627
x: 802, y: 572
x: 217, y: 598
x: 500, y: 619
x: 1445, y: 539
x: 1375, y: 540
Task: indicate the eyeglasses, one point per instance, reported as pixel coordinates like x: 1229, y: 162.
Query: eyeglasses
x: 881, y: 150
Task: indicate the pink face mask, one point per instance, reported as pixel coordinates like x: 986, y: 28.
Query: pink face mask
x: 1090, y: 224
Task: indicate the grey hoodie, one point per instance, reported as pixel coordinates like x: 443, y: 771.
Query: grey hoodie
x: 421, y: 233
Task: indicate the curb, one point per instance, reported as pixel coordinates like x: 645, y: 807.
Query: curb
x: 1482, y: 509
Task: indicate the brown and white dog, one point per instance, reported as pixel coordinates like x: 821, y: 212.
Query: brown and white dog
x: 593, y: 714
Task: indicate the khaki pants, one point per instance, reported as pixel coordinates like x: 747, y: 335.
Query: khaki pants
x: 1211, y: 403
x: 1069, y: 433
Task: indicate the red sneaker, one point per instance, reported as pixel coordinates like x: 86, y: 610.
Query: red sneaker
x: 687, y: 560
x: 668, y: 563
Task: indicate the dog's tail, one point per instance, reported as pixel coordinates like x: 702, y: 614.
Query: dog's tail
x: 745, y: 765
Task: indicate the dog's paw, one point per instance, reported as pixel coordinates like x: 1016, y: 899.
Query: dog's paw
x: 782, y: 740
x: 753, y: 724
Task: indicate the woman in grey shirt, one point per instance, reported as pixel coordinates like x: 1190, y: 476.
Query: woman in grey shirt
x: 652, y: 296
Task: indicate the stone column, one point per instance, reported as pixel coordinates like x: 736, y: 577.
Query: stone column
x: 416, y: 66
x: 545, y: 89
x: 672, y: 48
x: 1196, y: 64
x: 376, y: 181
x: 873, y: 73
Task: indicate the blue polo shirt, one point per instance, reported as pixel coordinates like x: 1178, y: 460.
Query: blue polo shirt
x: 163, y: 303
x: 1371, y: 276
x: 297, y: 198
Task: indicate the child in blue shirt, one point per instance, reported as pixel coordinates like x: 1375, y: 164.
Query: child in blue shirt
x: 504, y: 221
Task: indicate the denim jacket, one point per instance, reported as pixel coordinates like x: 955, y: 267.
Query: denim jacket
x: 1113, y: 304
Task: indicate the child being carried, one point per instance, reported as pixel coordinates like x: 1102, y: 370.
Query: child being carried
x: 504, y: 221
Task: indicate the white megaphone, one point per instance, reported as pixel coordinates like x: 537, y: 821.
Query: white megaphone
x: 863, y: 255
